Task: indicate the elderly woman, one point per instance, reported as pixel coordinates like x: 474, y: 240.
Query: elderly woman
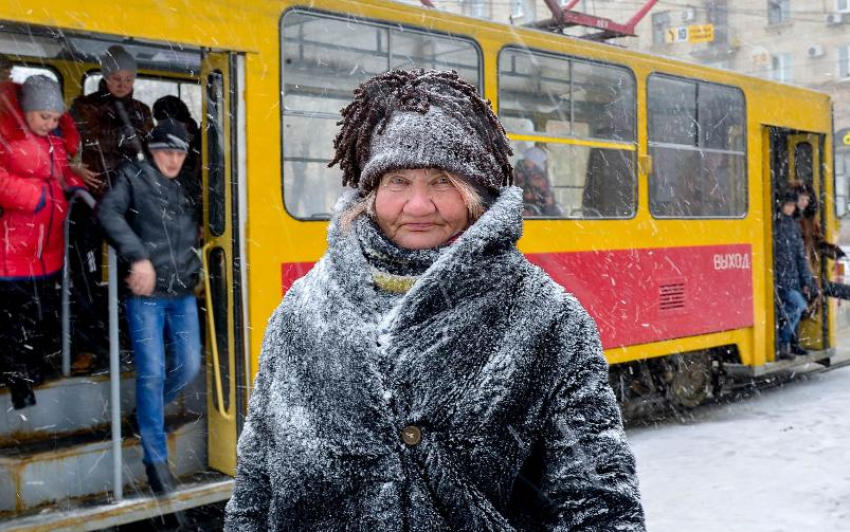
x: 424, y: 376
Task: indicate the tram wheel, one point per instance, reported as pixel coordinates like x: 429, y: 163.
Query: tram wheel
x: 691, y: 382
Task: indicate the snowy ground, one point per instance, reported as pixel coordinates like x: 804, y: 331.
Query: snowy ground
x: 776, y: 461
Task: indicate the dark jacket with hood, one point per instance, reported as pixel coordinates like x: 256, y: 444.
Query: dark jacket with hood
x: 106, y: 141
x: 498, y: 367
x: 789, y: 255
x: 146, y: 215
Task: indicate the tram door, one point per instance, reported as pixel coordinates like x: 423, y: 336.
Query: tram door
x: 804, y: 164
x: 219, y: 253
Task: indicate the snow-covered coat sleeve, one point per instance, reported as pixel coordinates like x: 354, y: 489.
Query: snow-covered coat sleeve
x: 248, y: 508
x: 588, y: 481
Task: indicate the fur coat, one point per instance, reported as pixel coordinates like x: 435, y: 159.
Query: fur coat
x: 497, y: 368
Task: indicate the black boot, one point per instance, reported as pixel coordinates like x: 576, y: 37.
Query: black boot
x: 797, y: 350
x: 22, y: 394
x: 784, y: 352
x: 159, y: 478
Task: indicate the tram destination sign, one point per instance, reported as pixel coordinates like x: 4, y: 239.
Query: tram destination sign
x: 695, y: 33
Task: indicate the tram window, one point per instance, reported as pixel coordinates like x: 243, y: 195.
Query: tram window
x: 215, y: 151
x: 696, y: 140
x: 324, y: 59
x: 573, y: 181
x: 21, y: 73
x: 580, y: 103
x: 148, y: 90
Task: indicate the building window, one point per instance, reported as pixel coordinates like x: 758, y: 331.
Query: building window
x: 844, y: 62
x: 842, y: 6
x: 660, y: 23
x: 517, y: 9
x: 778, y: 11
x: 780, y: 68
x: 476, y: 8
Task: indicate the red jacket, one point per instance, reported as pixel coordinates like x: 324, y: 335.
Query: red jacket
x: 34, y: 175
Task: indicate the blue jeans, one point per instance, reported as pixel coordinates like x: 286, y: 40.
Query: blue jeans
x: 158, y: 382
x: 793, y: 306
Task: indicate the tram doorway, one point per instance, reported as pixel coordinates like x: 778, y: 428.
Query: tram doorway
x: 799, y: 156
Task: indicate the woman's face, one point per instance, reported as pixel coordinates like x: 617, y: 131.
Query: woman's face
x: 419, y: 209
x: 120, y: 83
x: 802, y: 202
x: 42, y: 122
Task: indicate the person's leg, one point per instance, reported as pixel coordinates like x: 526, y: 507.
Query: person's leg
x: 183, y: 330
x: 17, y: 309
x: 146, y: 319
x: 795, y: 306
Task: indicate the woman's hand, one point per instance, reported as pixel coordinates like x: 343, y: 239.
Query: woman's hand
x: 142, y: 278
x: 92, y: 181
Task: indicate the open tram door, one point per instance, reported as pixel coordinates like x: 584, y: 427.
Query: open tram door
x: 799, y: 156
x: 222, y: 159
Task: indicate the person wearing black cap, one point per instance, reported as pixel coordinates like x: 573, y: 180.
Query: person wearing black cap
x: 424, y: 375
x: 792, y: 275
x: 149, y: 219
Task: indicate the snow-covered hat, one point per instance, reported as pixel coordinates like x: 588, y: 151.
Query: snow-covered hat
x: 169, y: 135
x: 40, y: 93
x: 433, y: 139
x: 117, y: 58
x: 421, y: 119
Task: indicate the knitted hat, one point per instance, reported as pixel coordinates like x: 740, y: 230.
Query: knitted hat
x: 116, y: 58
x: 421, y: 119
x: 40, y: 93
x: 169, y: 135
x: 788, y: 196
x: 434, y: 139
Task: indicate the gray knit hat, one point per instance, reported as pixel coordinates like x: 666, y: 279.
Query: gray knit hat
x: 40, y: 93
x: 429, y: 140
x: 421, y: 119
x: 116, y: 58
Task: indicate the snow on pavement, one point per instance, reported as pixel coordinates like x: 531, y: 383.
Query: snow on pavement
x: 776, y: 461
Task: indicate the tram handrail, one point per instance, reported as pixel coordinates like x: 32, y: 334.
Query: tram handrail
x: 114, y: 354
x: 213, y: 338
x: 88, y: 199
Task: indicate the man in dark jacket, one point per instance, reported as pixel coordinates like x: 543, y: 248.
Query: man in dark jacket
x: 792, y: 273
x: 149, y: 219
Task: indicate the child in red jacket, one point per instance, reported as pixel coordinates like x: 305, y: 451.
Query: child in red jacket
x: 34, y: 177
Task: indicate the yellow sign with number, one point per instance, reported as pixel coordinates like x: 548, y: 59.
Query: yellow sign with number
x: 701, y: 33
x: 696, y: 33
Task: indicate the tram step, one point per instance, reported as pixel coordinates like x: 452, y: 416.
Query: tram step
x: 73, y: 406
x: 81, y: 466
x: 742, y: 371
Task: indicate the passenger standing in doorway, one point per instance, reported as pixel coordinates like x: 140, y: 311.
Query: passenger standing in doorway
x: 34, y: 177
x: 172, y: 107
x: 793, y: 277
x: 149, y: 219
x: 108, y: 143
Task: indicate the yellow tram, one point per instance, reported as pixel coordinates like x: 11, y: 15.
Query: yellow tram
x: 662, y: 179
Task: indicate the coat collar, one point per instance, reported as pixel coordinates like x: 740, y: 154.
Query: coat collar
x: 448, y: 279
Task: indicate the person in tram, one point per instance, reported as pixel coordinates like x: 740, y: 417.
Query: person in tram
x: 794, y: 279
x: 149, y: 218
x: 34, y: 178
x: 530, y: 174
x: 815, y: 242
x: 424, y: 375
x: 190, y: 176
x: 108, y: 143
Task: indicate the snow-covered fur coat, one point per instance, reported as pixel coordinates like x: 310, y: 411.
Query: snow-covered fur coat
x: 499, y: 368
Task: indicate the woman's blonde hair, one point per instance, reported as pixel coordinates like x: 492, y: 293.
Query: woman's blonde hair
x: 473, y: 200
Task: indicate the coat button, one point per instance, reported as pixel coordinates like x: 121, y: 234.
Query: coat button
x: 411, y: 435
